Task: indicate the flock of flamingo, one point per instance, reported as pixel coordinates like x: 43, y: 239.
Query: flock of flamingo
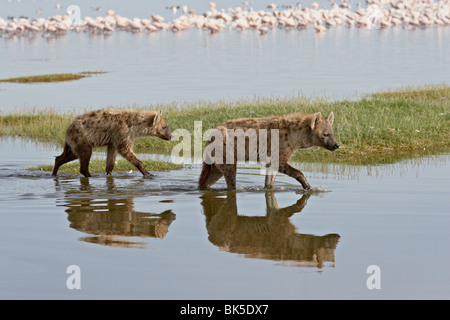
x: 377, y: 14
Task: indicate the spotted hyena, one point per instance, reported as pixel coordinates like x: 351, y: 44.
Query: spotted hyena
x: 295, y: 131
x: 115, y: 129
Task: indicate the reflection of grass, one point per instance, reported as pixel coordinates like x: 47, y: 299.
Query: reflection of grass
x: 52, y: 77
x: 98, y: 165
x: 381, y: 128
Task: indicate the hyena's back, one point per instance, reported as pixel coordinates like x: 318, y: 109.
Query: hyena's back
x: 249, y: 131
x: 105, y: 127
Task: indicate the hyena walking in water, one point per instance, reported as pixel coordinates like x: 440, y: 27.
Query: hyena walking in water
x: 295, y: 131
x: 115, y: 129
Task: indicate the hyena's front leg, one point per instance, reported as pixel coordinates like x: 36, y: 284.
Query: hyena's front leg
x: 133, y: 159
x: 294, y: 173
x: 110, y: 159
x: 270, y: 180
x: 270, y: 177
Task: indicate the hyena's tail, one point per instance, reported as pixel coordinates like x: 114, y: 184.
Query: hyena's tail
x: 66, y: 149
x: 205, y: 175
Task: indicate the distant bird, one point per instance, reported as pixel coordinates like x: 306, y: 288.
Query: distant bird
x: 263, y: 30
x: 173, y: 8
x: 319, y: 28
x: 157, y: 18
x: 136, y: 25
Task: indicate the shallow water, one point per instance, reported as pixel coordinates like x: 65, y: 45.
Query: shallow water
x: 194, y: 65
x: 162, y: 239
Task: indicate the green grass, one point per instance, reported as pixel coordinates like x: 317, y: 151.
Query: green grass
x: 52, y: 77
x: 438, y: 93
x: 377, y: 129
x: 40, y: 125
x: 98, y: 166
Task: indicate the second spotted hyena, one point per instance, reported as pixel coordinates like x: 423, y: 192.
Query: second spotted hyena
x: 115, y: 129
x: 295, y: 131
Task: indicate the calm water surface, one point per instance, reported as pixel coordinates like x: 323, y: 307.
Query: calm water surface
x: 192, y: 66
x: 163, y: 239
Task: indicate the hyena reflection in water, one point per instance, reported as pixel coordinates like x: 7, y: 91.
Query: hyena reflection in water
x: 111, y: 221
x: 272, y: 236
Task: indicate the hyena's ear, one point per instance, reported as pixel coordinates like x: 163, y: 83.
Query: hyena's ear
x: 316, y: 119
x: 156, y: 118
x: 330, y: 118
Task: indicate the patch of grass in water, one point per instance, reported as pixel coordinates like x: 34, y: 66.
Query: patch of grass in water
x: 57, y: 77
x: 98, y: 166
x: 378, y: 129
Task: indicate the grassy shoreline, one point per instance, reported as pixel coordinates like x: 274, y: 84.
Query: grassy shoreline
x: 381, y: 128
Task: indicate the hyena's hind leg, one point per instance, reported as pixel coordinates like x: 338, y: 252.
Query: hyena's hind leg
x: 85, y: 153
x: 65, y: 157
x: 210, y: 174
x: 110, y: 159
x: 216, y: 174
x: 229, y: 172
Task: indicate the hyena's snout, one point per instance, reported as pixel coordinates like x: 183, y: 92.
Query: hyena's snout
x: 333, y: 145
x: 336, y: 145
x: 168, y: 136
x: 165, y: 133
